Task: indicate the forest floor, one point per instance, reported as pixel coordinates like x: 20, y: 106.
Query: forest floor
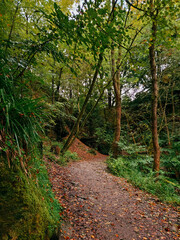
x: 100, y: 206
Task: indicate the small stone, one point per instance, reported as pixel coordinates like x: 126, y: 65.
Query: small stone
x: 139, y: 199
x: 136, y: 229
x: 174, y: 228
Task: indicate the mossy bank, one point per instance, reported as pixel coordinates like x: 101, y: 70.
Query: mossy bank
x: 28, y: 209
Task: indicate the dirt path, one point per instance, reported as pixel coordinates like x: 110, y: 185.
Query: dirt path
x: 101, y: 206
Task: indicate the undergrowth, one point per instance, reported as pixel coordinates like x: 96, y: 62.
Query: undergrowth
x: 137, y: 168
x: 50, y: 151
x: 92, y: 151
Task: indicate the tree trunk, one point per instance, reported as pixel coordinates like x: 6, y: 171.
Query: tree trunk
x: 117, y: 91
x: 78, y: 105
x: 27, y: 23
x: 109, y: 97
x: 130, y: 132
x: 89, y: 113
x: 155, y: 90
x: 70, y: 93
x: 76, y: 125
x: 52, y: 85
x: 58, y: 85
x: 12, y: 25
x: 164, y: 118
x: 173, y: 110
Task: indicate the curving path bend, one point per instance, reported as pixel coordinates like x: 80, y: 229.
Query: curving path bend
x: 100, y: 206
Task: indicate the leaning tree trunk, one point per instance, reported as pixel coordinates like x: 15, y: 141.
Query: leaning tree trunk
x: 154, y: 99
x: 75, y: 128
x: 12, y: 25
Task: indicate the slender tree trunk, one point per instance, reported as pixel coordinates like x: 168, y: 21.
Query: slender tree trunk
x: 167, y: 130
x: 109, y: 97
x: 117, y: 91
x: 12, y: 25
x: 27, y: 23
x: 173, y: 109
x: 164, y: 118
x: 78, y: 97
x: 155, y: 90
x: 58, y: 85
x: 29, y: 59
x: 52, y: 85
x: 109, y: 89
x: 70, y: 93
x: 95, y: 105
x: 89, y: 113
x: 130, y: 132
x: 76, y: 125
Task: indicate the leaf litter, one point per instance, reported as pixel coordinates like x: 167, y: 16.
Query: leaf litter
x: 100, y: 206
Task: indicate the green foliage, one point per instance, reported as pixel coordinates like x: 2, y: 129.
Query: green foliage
x: 59, y: 116
x: 131, y: 149
x: 171, y: 159
x: 135, y: 156
x: 139, y: 173
x: 21, y: 117
x: 28, y: 208
x: 92, y: 151
x: 49, y: 152
x: 35, y: 46
x: 104, y: 139
x: 137, y: 168
x: 40, y: 172
x: 67, y: 157
x: 50, y: 156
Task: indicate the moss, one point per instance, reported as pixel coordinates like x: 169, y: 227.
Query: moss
x: 25, y: 211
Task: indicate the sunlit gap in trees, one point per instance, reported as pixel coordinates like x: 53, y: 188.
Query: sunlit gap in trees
x: 131, y: 92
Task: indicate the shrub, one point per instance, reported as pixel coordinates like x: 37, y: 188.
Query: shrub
x: 171, y: 159
x: 21, y: 119
x: 92, y: 151
x: 52, y: 156
x: 139, y: 172
x: 104, y: 137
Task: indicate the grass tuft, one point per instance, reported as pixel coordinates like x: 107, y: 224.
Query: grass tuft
x: 138, y: 172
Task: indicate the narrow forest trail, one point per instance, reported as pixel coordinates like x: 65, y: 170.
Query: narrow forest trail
x: 98, y: 205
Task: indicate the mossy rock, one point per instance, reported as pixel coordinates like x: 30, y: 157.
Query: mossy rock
x: 55, y: 149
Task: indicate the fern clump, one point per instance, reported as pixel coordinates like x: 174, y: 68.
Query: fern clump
x: 137, y: 168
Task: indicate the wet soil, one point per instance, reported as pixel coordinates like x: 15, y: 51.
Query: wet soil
x: 98, y: 205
